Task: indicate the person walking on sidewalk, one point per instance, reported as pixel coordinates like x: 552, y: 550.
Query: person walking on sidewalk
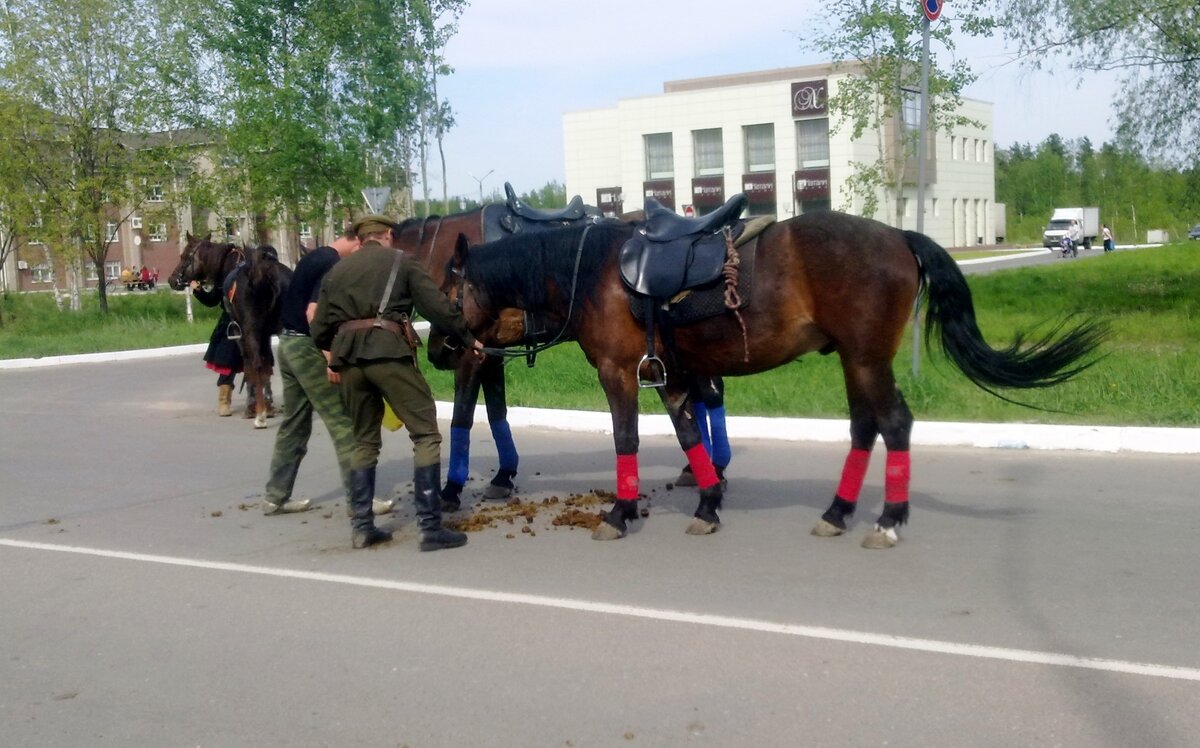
x: 362, y: 319
x: 308, y: 384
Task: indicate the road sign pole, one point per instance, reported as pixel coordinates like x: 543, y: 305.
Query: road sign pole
x: 922, y: 148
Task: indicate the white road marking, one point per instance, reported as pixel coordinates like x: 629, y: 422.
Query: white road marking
x: 654, y: 614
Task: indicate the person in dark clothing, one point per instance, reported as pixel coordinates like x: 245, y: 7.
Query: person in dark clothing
x: 361, y: 320
x: 307, y: 385
x: 224, y: 356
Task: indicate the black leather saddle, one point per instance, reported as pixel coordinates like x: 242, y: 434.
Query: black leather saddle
x: 516, y: 217
x: 670, y: 254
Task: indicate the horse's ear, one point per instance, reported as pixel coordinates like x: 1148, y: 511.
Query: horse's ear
x: 461, y: 247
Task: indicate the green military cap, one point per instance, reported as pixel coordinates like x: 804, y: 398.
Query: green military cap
x: 372, y: 224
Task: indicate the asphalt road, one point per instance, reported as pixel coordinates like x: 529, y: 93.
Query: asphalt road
x: 1037, y: 599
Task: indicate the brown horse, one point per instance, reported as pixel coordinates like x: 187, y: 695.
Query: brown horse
x: 253, y: 282
x: 821, y: 282
x: 432, y: 241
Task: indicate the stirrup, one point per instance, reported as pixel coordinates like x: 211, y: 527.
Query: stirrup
x: 657, y: 377
x: 233, y: 331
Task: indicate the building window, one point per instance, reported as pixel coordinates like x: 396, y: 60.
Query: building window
x: 110, y: 230
x: 910, y: 111
x: 42, y: 273
x: 35, y: 241
x: 135, y: 221
x: 709, y: 152
x: 112, y: 270
x: 812, y: 143
x: 760, y: 147
x: 156, y: 193
x: 158, y: 233
x: 91, y: 273
x: 660, y: 160
x: 936, y: 207
x: 305, y: 231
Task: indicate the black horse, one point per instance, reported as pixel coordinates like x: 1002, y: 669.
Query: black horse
x: 253, y: 281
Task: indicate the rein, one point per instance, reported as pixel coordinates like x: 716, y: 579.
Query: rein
x: 558, y: 338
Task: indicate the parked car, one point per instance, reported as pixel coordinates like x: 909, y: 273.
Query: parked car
x: 1194, y: 233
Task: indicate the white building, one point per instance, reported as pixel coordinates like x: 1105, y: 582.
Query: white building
x: 768, y: 134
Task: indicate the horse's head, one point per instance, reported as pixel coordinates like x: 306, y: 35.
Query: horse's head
x: 497, y: 328
x: 188, y: 268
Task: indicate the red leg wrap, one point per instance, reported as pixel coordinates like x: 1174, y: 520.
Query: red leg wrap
x: 702, y: 467
x: 896, y: 477
x: 853, y: 473
x: 628, y: 484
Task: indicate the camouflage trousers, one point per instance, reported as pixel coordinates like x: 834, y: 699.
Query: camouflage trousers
x: 306, y: 388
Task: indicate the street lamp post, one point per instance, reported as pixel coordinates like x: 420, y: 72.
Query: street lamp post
x: 480, y: 181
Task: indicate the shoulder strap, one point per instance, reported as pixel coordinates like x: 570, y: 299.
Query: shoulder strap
x: 387, y: 290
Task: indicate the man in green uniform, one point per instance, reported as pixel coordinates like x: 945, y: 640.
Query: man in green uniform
x: 364, y: 304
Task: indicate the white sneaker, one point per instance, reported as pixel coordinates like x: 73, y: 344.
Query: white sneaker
x: 382, y: 506
x: 287, y: 507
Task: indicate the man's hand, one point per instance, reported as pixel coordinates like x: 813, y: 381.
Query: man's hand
x: 333, y: 376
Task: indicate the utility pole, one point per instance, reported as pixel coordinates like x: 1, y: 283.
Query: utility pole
x: 933, y: 9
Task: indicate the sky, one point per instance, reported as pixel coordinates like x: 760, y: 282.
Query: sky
x: 521, y: 64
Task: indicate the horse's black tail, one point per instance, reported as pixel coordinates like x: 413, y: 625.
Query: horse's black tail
x: 1052, y: 359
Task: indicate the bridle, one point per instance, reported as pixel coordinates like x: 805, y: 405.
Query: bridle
x: 558, y: 338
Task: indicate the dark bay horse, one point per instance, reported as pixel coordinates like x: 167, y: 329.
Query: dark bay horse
x: 432, y: 241
x: 253, y: 282
x: 822, y: 282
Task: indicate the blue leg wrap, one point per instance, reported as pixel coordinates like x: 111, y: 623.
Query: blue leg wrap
x: 701, y: 411
x: 460, y: 455
x: 505, y: 447
x: 721, y: 451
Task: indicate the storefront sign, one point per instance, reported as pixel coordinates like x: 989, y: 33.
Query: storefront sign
x: 610, y: 201
x: 662, y: 190
x: 759, y: 187
x: 810, y: 98
x: 708, y: 192
x: 812, y: 184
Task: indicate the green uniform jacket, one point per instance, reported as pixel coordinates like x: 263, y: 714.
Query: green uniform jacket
x: 352, y: 290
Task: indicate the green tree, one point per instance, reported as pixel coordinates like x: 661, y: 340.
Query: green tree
x: 879, y: 42
x: 80, y: 75
x: 1154, y: 46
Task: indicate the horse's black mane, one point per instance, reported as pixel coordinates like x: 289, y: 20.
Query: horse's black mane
x: 518, y: 271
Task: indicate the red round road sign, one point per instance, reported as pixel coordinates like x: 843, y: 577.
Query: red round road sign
x: 932, y: 8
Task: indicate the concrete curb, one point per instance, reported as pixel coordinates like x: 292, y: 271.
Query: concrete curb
x: 1154, y: 440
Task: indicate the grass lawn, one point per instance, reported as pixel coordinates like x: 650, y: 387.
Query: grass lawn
x: 1149, y: 372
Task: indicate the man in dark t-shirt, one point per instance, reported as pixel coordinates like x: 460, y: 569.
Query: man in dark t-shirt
x: 308, y: 385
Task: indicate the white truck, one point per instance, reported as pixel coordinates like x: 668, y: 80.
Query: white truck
x: 1060, y: 223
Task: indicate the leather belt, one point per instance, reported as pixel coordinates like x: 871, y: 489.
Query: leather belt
x: 367, y: 324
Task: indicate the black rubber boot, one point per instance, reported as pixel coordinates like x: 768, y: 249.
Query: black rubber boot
x: 362, y: 491
x: 428, y: 502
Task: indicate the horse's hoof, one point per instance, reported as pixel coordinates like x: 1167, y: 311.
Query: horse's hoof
x: 702, y: 527
x: 825, y: 529
x: 496, y: 493
x: 605, y: 531
x: 881, y: 538
x: 260, y: 423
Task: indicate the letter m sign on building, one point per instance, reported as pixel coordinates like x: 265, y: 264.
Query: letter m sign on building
x: 933, y: 9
